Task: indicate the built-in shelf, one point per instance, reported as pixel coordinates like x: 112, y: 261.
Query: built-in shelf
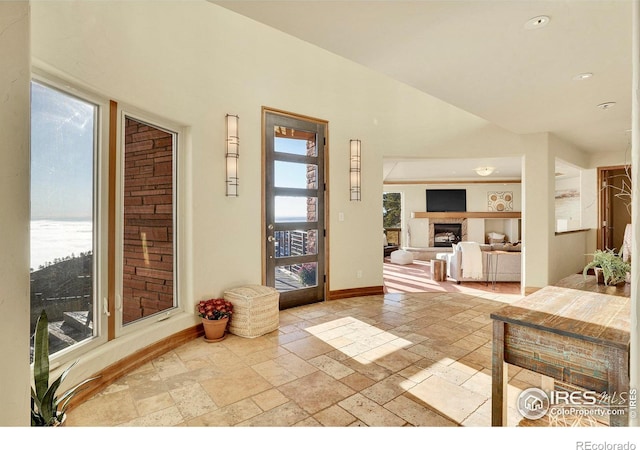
x: 469, y: 215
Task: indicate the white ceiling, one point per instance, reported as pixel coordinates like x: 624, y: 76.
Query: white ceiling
x: 478, y: 56
x: 440, y: 170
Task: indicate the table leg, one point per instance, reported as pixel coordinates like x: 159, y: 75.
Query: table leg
x: 499, y: 377
x: 488, y: 267
x: 619, y: 384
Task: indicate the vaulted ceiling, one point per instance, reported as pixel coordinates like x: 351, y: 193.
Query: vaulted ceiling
x: 484, y: 57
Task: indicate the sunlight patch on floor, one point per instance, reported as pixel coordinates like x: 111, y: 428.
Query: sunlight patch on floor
x: 357, y: 339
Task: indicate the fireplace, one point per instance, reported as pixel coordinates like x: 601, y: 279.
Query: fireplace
x: 446, y: 234
x: 446, y: 225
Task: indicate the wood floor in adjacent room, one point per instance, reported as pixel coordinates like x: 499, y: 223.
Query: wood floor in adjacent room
x: 416, y: 277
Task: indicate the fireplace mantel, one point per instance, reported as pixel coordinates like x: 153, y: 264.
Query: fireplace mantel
x: 469, y: 215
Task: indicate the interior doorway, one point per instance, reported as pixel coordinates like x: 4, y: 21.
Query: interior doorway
x: 615, y: 205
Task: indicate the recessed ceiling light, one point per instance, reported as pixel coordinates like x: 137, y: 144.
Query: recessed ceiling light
x: 607, y: 105
x: 537, y: 22
x: 583, y: 76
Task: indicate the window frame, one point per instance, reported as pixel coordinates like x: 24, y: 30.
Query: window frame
x: 104, y: 314
x: 178, y: 132
x: 402, y: 229
x: 99, y: 210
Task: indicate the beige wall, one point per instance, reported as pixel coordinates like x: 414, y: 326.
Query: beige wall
x: 568, y: 253
x: 220, y: 63
x: 223, y: 63
x: 14, y: 221
x: 538, y: 209
x: 614, y: 158
x: 414, y: 199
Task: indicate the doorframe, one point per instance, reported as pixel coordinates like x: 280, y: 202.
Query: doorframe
x: 263, y: 243
x: 603, y: 201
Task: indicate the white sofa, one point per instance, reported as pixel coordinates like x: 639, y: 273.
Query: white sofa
x: 508, y: 268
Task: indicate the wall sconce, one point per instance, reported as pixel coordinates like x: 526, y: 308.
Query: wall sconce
x: 232, y: 155
x: 354, y: 170
x: 484, y: 171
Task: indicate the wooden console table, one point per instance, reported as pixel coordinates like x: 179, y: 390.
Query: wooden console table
x: 576, y: 336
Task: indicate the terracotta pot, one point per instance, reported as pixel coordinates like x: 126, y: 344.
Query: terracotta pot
x: 215, y: 330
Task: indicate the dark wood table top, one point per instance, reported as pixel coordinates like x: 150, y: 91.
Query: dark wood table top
x: 583, y: 314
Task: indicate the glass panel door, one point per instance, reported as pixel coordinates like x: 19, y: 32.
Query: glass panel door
x: 294, y: 208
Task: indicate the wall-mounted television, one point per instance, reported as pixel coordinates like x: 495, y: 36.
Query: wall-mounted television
x: 446, y: 200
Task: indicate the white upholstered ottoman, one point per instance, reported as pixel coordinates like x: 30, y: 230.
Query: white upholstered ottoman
x: 256, y: 310
x: 402, y: 257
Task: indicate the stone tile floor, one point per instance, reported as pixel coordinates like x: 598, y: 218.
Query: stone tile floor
x: 420, y: 359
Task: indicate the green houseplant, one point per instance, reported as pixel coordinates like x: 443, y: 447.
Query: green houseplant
x: 48, y: 407
x: 614, y: 268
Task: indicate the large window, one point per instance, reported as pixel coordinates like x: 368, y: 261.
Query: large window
x: 91, y: 201
x: 63, y: 225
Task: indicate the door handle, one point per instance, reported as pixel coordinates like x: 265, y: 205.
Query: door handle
x: 270, y: 239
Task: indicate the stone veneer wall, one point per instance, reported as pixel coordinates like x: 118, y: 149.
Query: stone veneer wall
x: 148, y: 221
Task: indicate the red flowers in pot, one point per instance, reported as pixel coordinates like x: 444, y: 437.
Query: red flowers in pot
x: 214, y: 309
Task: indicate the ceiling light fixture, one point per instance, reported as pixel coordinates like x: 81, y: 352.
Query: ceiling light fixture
x: 537, y: 22
x: 607, y: 105
x: 484, y: 171
x: 583, y: 76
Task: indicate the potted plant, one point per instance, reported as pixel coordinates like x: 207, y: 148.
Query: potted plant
x: 614, y: 268
x: 48, y: 408
x: 215, y: 314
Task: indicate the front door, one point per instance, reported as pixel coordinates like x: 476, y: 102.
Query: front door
x: 294, y: 203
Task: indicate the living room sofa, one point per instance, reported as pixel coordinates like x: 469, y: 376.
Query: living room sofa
x: 508, y: 264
